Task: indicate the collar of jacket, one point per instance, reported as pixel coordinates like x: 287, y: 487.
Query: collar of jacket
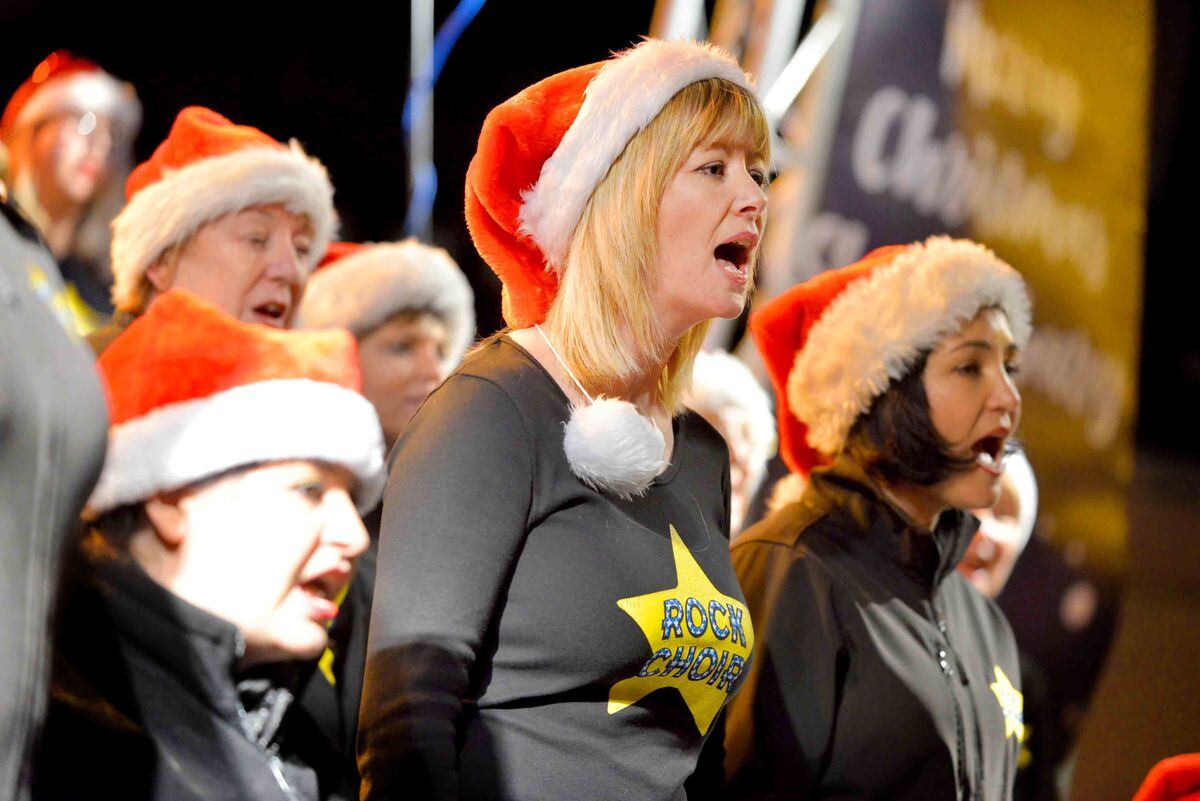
x: 199, y: 650
x: 868, y: 520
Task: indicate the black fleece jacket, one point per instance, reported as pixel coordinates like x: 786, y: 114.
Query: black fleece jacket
x: 880, y: 672
x: 148, y: 703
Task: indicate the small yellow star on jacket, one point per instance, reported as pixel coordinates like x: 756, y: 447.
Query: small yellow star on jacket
x: 1012, y: 703
x: 699, y: 640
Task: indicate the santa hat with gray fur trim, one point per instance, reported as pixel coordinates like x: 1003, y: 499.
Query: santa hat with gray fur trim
x: 836, y: 342
x: 364, y: 286
x: 542, y: 152
x: 208, y: 167
x: 194, y: 392
x: 65, y: 83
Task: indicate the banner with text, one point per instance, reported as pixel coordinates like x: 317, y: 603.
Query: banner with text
x: 1023, y: 126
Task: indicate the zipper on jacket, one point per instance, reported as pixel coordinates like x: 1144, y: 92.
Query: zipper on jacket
x: 944, y: 655
x: 277, y: 771
x: 960, y: 730
x: 1006, y: 790
x: 966, y: 685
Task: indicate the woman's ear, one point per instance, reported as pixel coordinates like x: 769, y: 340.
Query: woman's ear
x: 161, y: 274
x: 168, y: 519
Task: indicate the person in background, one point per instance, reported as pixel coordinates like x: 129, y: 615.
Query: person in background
x: 729, y: 397
x: 52, y: 426
x: 226, y: 212
x: 412, y: 312
x: 69, y: 132
x: 224, y: 526
x: 880, y: 672
x: 553, y: 512
x: 1004, y: 531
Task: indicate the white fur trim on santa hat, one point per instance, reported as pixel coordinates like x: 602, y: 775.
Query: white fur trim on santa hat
x: 620, y: 101
x: 182, y: 443
x: 873, y: 331
x: 171, y: 209
x: 79, y: 92
x: 370, y: 286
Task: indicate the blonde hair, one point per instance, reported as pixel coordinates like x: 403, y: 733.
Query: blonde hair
x: 605, y: 293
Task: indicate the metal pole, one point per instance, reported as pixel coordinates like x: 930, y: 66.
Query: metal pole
x: 420, y: 137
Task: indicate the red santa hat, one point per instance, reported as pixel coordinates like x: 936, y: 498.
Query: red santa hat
x: 208, y: 167
x: 542, y: 152
x: 1175, y: 778
x: 194, y: 392
x: 836, y: 342
x: 360, y: 287
x: 62, y: 83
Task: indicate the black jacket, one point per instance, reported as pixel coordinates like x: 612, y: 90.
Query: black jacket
x: 880, y: 673
x: 334, y: 706
x: 147, y: 703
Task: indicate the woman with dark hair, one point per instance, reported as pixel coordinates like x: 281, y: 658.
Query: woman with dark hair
x: 880, y: 673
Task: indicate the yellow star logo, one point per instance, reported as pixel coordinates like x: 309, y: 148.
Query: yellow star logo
x: 1012, y: 703
x: 699, y: 640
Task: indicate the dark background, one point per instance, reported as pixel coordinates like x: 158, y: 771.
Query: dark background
x: 336, y: 80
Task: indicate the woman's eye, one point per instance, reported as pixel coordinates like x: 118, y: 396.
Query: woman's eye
x: 759, y: 177
x: 257, y: 240
x: 716, y: 168
x: 313, y: 491
x: 302, y: 248
x: 1012, y: 368
x: 967, y: 369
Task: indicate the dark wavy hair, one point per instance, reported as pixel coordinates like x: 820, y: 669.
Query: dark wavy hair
x: 896, y: 440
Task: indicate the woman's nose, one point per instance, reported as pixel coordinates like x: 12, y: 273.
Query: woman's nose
x: 1007, y: 398
x: 752, y: 198
x: 343, y: 527
x: 429, y: 362
x: 286, y: 264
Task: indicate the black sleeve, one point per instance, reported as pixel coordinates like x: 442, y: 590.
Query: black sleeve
x: 454, y: 519
x: 779, y: 727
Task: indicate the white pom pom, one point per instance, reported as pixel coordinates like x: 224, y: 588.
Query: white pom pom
x: 612, y: 448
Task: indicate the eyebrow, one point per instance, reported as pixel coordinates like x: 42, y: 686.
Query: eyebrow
x: 979, y: 344
x: 305, y: 227
x: 729, y: 145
